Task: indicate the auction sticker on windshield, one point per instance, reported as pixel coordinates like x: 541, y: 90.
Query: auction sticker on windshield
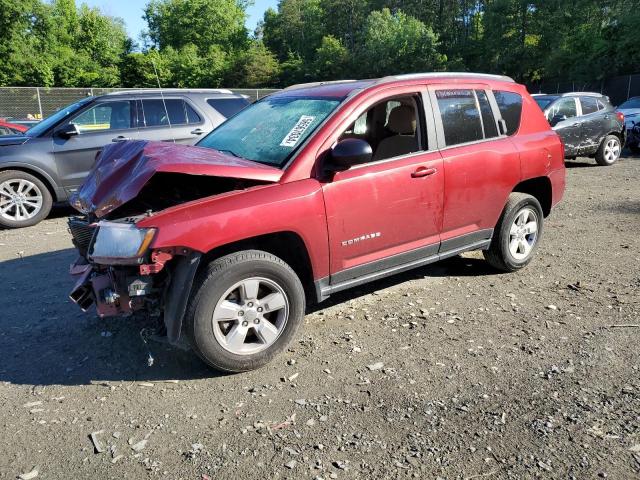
x: 296, y: 132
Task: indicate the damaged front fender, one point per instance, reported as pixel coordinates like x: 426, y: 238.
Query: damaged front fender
x: 178, y: 293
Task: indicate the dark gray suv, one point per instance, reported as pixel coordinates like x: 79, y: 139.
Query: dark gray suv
x: 51, y: 160
x: 587, y: 123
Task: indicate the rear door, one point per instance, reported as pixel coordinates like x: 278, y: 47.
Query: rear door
x: 106, y: 121
x: 170, y: 119
x: 480, y: 165
x: 594, y: 124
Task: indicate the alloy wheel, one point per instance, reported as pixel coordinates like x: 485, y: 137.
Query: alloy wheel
x: 20, y: 200
x: 250, y: 316
x: 523, y: 233
x: 612, y: 150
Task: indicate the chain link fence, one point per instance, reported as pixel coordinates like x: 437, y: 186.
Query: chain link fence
x: 618, y: 89
x: 36, y: 103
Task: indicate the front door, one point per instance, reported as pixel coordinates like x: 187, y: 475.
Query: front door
x: 388, y: 212
x: 563, y: 117
x: 103, y: 123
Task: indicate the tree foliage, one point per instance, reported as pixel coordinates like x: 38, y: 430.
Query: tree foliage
x: 204, y: 43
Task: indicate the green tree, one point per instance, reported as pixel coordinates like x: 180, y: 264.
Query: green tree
x: 254, y: 67
x: 332, y: 59
x: 397, y: 43
x: 176, y: 23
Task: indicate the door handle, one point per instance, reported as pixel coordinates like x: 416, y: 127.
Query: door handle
x: 120, y: 138
x: 577, y: 124
x: 197, y: 131
x: 423, y: 172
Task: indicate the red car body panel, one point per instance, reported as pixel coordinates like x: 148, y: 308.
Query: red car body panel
x: 205, y: 224
x: 14, y: 126
x: 124, y: 168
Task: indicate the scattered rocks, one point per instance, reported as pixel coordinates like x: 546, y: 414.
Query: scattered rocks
x: 375, y: 366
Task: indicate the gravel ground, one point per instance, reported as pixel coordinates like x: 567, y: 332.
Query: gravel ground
x: 451, y: 371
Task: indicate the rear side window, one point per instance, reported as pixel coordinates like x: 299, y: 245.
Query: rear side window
x: 158, y: 112
x: 460, y: 116
x: 488, y: 120
x: 510, y: 106
x: 589, y: 105
x: 601, y: 105
x: 228, y: 106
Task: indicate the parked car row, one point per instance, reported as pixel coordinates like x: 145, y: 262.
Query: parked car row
x: 48, y: 162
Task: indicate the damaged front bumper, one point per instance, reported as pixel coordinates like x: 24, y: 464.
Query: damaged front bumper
x: 158, y: 282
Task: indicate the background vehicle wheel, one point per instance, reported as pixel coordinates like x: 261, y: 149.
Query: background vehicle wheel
x: 247, y: 308
x: 517, y: 234
x: 24, y: 199
x: 609, y: 151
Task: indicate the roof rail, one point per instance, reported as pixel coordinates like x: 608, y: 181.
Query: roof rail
x: 583, y: 94
x: 316, y: 84
x: 411, y: 76
x: 170, y: 90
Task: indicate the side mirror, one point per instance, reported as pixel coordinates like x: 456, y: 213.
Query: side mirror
x: 68, y: 131
x: 349, y: 152
x: 557, y: 119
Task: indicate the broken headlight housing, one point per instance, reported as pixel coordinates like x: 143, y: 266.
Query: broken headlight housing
x: 120, y: 243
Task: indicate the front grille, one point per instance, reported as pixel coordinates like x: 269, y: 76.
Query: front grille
x: 82, y: 233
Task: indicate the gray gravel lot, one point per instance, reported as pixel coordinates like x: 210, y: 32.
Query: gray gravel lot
x: 451, y: 371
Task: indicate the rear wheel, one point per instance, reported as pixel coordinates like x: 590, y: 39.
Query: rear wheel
x: 609, y: 151
x: 517, y: 234
x: 24, y: 199
x: 246, y: 309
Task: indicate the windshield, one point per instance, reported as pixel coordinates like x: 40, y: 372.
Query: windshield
x: 41, y: 127
x: 631, y: 103
x: 269, y: 131
x: 544, y: 101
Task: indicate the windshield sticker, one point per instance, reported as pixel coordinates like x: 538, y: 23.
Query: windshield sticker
x: 296, y: 132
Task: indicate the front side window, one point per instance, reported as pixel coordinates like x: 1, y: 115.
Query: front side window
x: 589, y: 105
x: 460, y: 116
x: 391, y: 127
x: 104, y: 116
x: 510, y: 106
x: 157, y: 112
x: 562, y: 109
x: 270, y: 130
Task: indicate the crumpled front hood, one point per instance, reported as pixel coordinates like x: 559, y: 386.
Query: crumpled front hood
x: 123, y: 169
x: 13, y: 140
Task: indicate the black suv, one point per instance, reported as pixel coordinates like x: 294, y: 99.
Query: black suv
x: 587, y: 123
x: 51, y: 160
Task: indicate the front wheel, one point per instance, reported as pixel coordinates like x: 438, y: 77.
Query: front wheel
x: 609, y: 151
x: 246, y: 309
x: 517, y: 233
x: 24, y: 199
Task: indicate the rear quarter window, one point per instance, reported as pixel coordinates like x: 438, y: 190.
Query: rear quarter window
x: 510, y: 106
x: 228, y: 106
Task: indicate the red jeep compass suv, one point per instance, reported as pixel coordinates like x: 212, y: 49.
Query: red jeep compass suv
x: 309, y: 191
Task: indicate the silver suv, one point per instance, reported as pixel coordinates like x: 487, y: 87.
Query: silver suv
x: 51, y: 160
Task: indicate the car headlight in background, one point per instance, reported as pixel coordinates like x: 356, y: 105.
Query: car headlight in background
x: 120, y: 243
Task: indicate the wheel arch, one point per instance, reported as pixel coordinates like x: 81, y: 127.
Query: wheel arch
x: 287, y: 245
x: 36, y: 172
x: 541, y: 189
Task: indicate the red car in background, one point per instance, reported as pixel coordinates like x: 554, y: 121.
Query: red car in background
x: 7, y: 128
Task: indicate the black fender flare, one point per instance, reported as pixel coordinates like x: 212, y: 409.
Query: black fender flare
x: 178, y: 293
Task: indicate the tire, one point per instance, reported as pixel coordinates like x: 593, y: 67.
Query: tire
x: 247, y: 335
x: 24, y: 199
x: 609, y: 151
x: 500, y: 255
